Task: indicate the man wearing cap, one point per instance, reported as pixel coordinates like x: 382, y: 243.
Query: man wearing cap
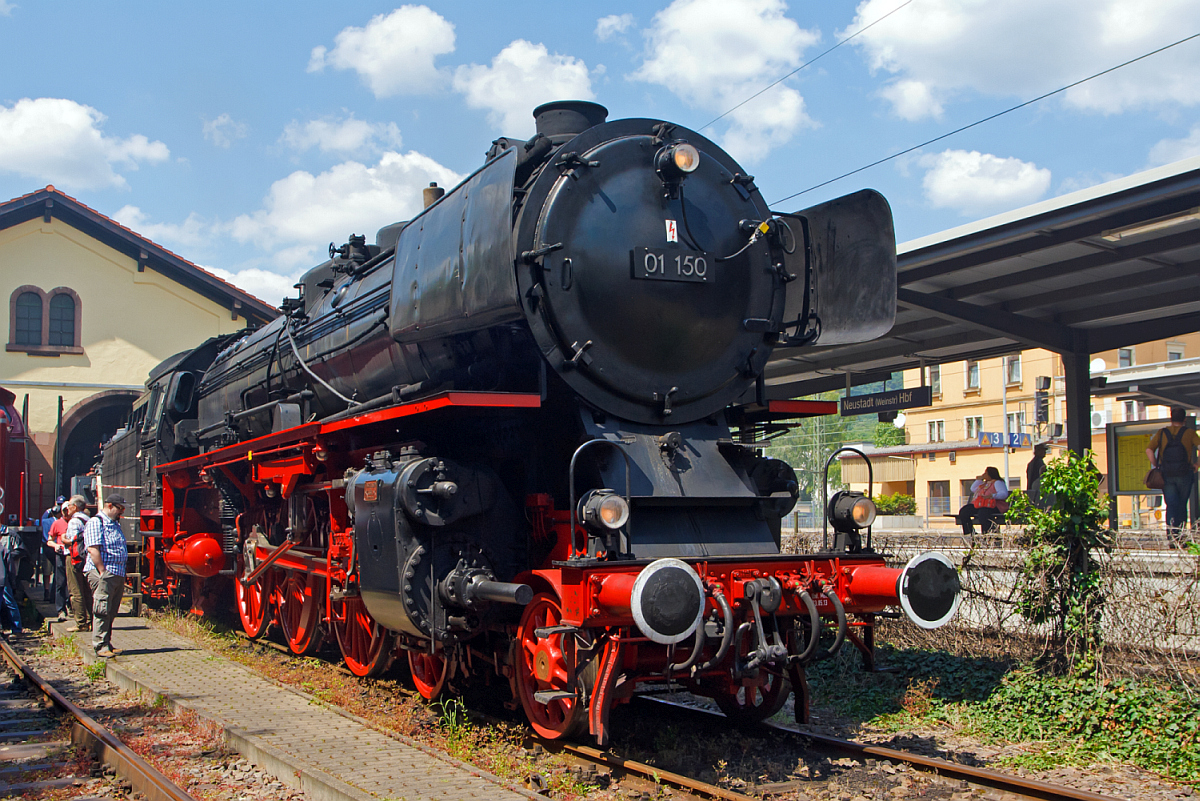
x: 105, y: 570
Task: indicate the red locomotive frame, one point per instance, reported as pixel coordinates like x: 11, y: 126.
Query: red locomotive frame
x: 576, y: 649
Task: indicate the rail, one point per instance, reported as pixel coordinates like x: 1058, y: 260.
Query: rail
x: 1029, y: 788
x: 110, y: 750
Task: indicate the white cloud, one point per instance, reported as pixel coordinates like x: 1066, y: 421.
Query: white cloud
x: 613, y: 25
x: 303, y: 212
x: 346, y: 136
x: 60, y: 141
x: 262, y: 284
x: 393, y: 53
x: 975, y: 183
x: 1021, y: 48
x: 713, y: 54
x: 912, y: 100
x: 223, y: 130
x: 191, y: 233
x: 6, y: 8
x: 522, y: 76
x: 1169, y: 150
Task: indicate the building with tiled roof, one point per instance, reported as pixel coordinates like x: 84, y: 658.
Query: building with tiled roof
x: 92, y: 307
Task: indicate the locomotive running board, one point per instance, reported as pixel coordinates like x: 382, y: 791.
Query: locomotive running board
x: 288, y: 437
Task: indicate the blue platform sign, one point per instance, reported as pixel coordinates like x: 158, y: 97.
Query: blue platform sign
x: 989, y: 439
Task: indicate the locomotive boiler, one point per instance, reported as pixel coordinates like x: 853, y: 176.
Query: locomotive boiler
x: 518, y: 438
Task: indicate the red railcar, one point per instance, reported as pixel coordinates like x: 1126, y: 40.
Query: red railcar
x: 14, y: 462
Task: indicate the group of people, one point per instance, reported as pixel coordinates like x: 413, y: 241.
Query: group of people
x: 1172, y: 450
x: 88, y: 556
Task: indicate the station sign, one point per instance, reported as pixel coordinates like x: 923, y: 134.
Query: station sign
x: 991, y: 439
x: 913, y: 397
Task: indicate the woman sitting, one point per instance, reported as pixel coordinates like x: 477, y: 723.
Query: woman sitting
x: 987, y: 503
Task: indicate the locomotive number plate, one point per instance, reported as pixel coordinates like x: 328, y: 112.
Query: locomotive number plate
x: 671, y: 264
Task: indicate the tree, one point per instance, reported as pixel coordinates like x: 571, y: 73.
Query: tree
x: 887, y: 435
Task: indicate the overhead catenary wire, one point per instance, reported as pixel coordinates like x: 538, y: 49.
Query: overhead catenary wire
x: 990, y: 117
x: 773, y: 84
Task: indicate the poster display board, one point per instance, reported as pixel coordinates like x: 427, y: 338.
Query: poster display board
x: 1127, y: 462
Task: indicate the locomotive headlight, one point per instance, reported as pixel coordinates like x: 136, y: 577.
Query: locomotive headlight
x: 677, y: 160
x: 604, y: 508
x: 849, y: 511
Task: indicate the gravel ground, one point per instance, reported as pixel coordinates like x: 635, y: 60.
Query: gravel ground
x: 187, y: 751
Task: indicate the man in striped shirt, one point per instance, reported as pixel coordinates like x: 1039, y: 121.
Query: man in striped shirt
x: 105, y: 570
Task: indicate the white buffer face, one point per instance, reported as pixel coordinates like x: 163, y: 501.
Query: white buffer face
x: 929, y: 590
x: 667, y: 601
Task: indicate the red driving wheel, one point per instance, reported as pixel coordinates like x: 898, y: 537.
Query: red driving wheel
x: 364, y: 643
x: 543, y: 670
x: 299, y: 611
x: 254, y: 602
x: 429, y: 672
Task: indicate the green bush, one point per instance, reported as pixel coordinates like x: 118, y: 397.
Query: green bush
x: 898, y: 504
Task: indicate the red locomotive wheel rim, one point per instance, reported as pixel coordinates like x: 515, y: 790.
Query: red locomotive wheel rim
x: 254, y: 603
x: 757, y: 702
x: 299, y: 612
x: 429, y: 672
x: 362, y: 640
x: 543, y: 665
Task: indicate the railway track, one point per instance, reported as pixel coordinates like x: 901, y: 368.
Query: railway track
x: 994, y: 780
x: 33, y: 727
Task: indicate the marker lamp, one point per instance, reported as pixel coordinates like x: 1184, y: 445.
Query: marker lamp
x: 605, y: 508
x: 676, y: 161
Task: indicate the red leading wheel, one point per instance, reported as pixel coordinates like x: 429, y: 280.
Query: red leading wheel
x: 429, y: 672
x: 543, y: 669
x: 363, y: 641
x: 299, y: 611
x: 756, y: 702
x: 254, y: 602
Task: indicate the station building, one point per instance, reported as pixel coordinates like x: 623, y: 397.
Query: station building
x: 948, y: 443
x: 92, y: 307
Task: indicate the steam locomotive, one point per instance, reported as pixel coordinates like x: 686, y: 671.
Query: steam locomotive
x: 517, y: 440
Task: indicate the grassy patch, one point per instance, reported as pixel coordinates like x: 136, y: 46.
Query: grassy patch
x: 1063, y: 719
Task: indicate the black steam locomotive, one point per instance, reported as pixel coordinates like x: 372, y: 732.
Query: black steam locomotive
x: 517, y: 438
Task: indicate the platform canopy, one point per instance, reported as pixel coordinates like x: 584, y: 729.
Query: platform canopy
x: 1106, y: 267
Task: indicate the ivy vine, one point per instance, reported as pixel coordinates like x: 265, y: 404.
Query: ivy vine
x: 1059, y: 578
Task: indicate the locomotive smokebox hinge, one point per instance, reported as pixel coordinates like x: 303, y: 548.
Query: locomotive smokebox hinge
x: 571, y: 162
x: 759, y: 325
x: 666, y: 401
x: 533, y: 256
x: 580, y: 357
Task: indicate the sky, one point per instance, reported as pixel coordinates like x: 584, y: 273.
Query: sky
x: 248, y: 136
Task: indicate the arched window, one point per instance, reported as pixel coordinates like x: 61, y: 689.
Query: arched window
x: 42, y: 324
x: 28, y: 313
x: 62, y: 320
